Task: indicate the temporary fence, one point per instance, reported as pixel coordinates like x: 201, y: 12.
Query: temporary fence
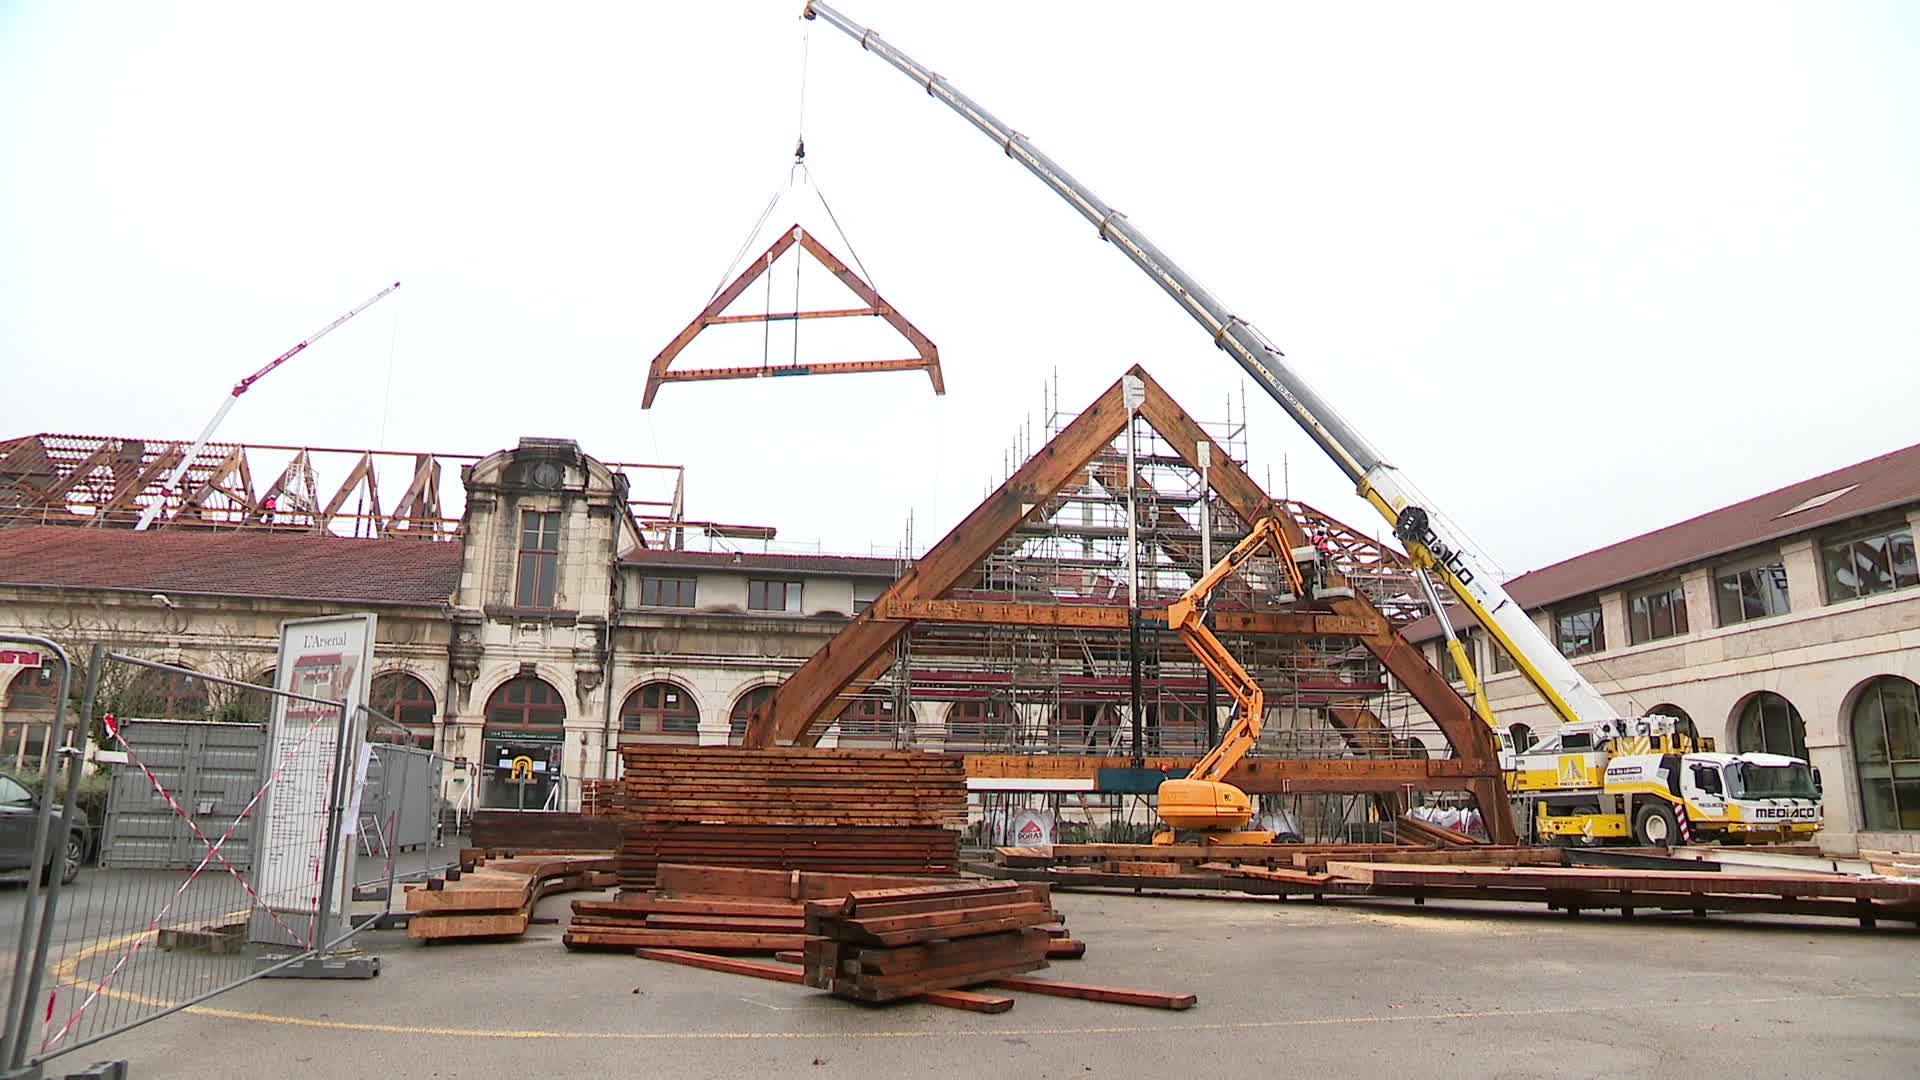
x: 220, y: 849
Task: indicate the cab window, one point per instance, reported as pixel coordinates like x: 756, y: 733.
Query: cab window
x: 12, y: 794
x: 1707, y: 779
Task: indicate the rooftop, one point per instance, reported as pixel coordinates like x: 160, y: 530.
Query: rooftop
x: 231, y: 563
x: 1882, y: 483
x: 842, y: 565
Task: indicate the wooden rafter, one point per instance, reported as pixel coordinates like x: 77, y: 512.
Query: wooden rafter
x: 927, y: 356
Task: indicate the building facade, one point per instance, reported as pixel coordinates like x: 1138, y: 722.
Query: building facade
x: 1787, y: 623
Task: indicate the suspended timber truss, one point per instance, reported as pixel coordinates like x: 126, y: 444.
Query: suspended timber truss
x: 107, y: 481
x: 1015, y: 626
x: 926, y: 357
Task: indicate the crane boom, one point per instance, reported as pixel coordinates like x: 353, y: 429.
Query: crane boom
x: 1432, y: 543
x: 172, y: 485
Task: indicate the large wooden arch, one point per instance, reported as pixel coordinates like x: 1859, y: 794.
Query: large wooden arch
x: 807, y: 702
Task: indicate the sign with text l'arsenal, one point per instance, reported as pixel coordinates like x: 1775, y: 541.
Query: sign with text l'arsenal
x: 329, y: 658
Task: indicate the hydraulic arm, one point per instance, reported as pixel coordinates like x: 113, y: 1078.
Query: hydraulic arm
x: 1431, y: 541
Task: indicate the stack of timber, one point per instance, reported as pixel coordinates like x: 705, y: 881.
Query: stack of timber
x: 716, y: 909
x: 885, y: 944
x: 495, y: 898
x: 600, y: 797
x: 542, y: 830
x: 830, y: 811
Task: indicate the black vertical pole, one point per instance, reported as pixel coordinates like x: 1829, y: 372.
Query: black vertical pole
x: 1133, y: 649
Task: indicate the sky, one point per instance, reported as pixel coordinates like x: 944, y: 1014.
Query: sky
x: 1579, y: 271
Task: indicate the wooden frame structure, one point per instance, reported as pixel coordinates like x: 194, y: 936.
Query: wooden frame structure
x: 927, y: 356
x: 808, y: 702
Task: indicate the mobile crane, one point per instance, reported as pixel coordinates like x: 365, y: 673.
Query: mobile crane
x: 1434, y: 545
x: 1203, y: 800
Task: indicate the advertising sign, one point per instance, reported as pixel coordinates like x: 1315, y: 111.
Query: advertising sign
x: 329, y: 658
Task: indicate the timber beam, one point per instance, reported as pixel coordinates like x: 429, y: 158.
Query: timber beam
x: 1110, y: 617
x: 1255, y: 776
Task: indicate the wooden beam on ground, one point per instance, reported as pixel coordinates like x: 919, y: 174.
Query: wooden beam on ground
x: 966, y: 1000
x: 1112, y: 995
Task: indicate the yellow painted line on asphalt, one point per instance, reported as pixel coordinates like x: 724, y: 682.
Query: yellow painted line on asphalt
x: 1000, y: 1032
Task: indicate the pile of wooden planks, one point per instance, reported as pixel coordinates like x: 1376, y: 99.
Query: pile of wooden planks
x: 495, y: 898
x: 715, y: 909
x: 598, y: 797
x: 794, y: 808
x: 542, y: 830
x: 885, y: 944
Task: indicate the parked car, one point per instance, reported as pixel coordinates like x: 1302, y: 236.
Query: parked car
x: 18, y: 809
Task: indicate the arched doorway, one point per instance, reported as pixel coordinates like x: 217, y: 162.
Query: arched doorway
x: 409, y: 702
x: 1683, y: 724
x: 743, y: 708
x: 1886, y: 753
x: 166, y: 695
x: 1769, y: 724
x: 524, y: 740
x: 660, y: 712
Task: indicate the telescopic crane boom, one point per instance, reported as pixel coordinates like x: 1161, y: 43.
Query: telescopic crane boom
x: 1432, y: 543
x: 172, y: 485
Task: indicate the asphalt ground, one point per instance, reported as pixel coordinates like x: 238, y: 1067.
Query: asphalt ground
x: 1287, y: 987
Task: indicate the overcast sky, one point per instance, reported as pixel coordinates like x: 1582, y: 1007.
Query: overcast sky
x: 1579, y: 271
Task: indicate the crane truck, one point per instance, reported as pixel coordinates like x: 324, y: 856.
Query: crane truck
x: 1435, y: 546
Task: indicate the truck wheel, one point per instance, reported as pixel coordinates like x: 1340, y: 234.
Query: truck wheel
x: 1655, y: 826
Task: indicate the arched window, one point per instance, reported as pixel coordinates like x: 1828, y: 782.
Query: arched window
x: 1522, y: 737
x: 661, y: 712
x: 1769, y: 724
x: 1086, y: 727
x: 165, y: 695
x: 1886, y: 753
x: 1415, y: 749
x: 980, y: 723
x: 1683, y: 724
x: 526, y: 703
x: 255, y: 707
x: 409, y: 701
x: 872, y: 720
x: 33, y: 690
x: 743, y: 710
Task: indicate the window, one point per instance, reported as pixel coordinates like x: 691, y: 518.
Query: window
x: 12, y: 793
x: 539, y: 559
x: 1447, y: 667
x: 1706, y: 778
x: 33, y: 690
x: 664, y: 709
x: 526, y: 703
x: 1754, y: 593
x: 1661, y: 613
x: 255, y: 706
x: 1522, y: 737
x: 743, y: 710
x: 865, y: 593
x: 1173, y: 727
x: 1579, y: 633
x: 666, y: 592
x: 768, y: 595
x: 1769, y: 724
x: 1502, y: 660
x: 1870, y: 564
x: 1886, y: 753
x: 1086, y: 727
x: 409, y: 702
x: 980, y: 723
x: 165, y: 695
x: 872, y: 718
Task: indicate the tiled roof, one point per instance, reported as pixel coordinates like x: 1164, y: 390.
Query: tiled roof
x: 1877, y: 484
x: 844, y: 565
x: 239, y: 563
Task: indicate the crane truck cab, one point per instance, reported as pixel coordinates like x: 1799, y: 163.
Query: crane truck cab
x: 1644, y: 781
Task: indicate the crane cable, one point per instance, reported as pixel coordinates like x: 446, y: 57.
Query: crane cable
x: 797, y: 173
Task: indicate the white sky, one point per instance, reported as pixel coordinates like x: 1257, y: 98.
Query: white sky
x: 1580, y: 272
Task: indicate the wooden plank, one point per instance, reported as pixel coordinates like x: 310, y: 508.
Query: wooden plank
x: 714, y: 940
x: 1066, y: 949
x: 730, y: 964
x: 1112, y: 995
x: 772, y: 884
x: 491, y: 924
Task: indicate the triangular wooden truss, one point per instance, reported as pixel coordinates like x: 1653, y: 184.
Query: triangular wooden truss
x: 808, y: 703
x: 926, y: 357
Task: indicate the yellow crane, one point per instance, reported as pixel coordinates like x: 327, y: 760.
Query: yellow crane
x: 1203, y: 801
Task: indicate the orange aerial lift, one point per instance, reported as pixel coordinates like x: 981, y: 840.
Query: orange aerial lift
x: 1203, y: 802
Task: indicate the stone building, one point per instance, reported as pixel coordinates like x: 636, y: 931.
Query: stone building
x: 1789, y: 623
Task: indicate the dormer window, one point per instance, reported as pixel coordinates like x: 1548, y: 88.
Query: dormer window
x: 539, y: 559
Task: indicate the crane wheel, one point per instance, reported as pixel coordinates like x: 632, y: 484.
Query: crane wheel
x: 1656, y: 826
